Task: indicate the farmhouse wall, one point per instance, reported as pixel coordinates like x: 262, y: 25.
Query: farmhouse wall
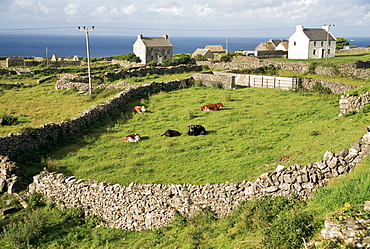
x: 149, y: 206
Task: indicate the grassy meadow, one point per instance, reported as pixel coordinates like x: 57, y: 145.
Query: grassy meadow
x: 256, y: 130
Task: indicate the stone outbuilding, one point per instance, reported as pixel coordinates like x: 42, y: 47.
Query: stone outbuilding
x: 157, y: 49
x: 205, y: 52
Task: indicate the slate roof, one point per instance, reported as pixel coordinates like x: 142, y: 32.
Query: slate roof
x: 318, y: 35
x: 156, y: 42
x: 277, y: 42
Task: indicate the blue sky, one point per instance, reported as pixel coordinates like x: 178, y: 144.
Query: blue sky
x: 234, y: 18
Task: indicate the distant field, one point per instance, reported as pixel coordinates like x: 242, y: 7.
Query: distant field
x: 255, y: 131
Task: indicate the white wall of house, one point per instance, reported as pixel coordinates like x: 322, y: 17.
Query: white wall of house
x: 139, y: 49
x: 298, y: 44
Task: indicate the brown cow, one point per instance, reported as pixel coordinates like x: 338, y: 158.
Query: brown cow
x: 212, y: 107
x: 132, y: 138
x: 139, y: 109
x: 171, y: 133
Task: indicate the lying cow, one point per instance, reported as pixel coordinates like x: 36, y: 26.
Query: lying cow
x: 171, y: 133
x: 132, y: 138
x: 195, y: 130
x: 139, y: 109
x: 212, y: 107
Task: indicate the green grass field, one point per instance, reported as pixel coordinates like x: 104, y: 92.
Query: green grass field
x: 256, y: 130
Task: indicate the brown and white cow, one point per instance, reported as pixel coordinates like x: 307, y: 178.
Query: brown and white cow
x: 139, y: 109
x: 132, y: 138
x: 212, y: 107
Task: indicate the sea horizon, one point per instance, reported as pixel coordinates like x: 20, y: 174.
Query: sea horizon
x: 38, y: 45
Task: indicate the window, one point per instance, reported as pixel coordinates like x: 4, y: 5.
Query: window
x: 295, y: 43
x: 322, y: 44
x: 314, y: 52
x: 328, y: 51
x: 329, y: 43
x: 314, y: 44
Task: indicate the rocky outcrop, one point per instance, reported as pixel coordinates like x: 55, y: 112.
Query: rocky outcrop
x: 11, y: 180
x: 349, y: 227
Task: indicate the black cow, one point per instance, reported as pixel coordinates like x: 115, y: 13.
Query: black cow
x: 171, y: 133
x: 195, y: 130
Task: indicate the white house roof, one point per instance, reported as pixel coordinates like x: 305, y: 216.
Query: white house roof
x: 156, y: 41
x: 318, y: 34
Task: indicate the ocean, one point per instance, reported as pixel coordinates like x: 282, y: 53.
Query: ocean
x: 105, y: 46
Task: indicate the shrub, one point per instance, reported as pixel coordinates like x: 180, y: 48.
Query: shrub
x: 359, y: 91
x: 19, y: 233
x: 312, y: 67
x: 8, y: 120
x: 288, y: 229
x: 182, y: 59
x: 321, y: 89
x: 200, y: 57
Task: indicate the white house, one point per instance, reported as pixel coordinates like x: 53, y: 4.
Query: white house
x: 158, y: 49
x: 307, y: 43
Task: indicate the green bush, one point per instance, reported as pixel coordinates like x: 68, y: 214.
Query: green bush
x: 321, y: 89
x: 8, y: 120
x: 19, y: 233
x: 359, y: 91
x: 288, y: 229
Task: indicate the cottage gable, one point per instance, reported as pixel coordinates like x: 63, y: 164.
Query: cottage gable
x: 205, y: 52
x: 157, y: 49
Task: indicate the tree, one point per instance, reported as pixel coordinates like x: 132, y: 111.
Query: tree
x: 341, y: 42
x: 200, y: 57
x: 182, y: 59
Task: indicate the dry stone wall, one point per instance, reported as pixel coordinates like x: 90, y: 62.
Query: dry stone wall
x: 349, y: 103
x: 149, y: 206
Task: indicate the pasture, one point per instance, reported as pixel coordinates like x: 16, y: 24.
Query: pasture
x: 256, y: 130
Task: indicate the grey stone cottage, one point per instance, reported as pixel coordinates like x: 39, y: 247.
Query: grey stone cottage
x: 157, y: 49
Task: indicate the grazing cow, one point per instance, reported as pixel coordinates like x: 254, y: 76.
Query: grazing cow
x: 139, y: 109
x: 212, y: 107
x: 171, y: 133
x: 195, y: 130
x: 132, y: 138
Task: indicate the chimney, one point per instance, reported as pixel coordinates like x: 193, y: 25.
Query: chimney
x: 165, y: 36
x: 299, y: 28
x: 139, y: 36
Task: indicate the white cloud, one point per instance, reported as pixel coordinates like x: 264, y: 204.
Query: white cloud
x: 203, y: 10
x: 171, y: 10
x: 100, y: 11
x: 129, y: 9
x: 71, y: 9
x: 24, y: 3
